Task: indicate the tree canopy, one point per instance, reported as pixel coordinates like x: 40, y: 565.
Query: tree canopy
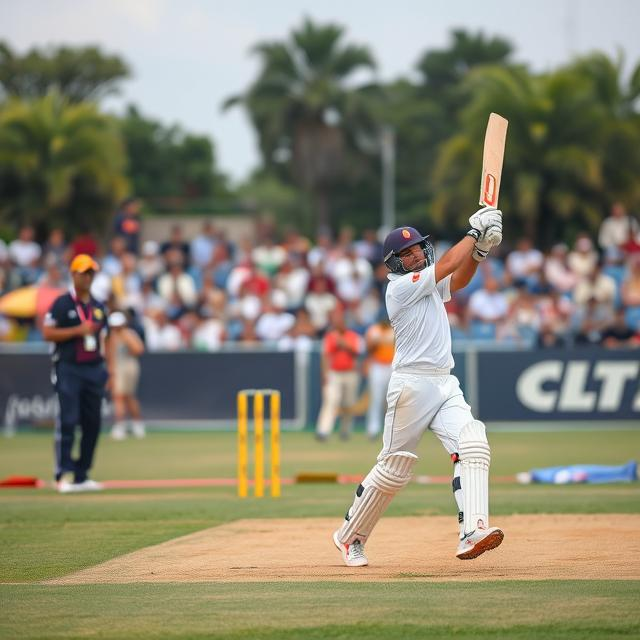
x: 82, y: 74
x: 319, y: 111
x: 61, y: 164
x: 167, y: 164
x: 306, y: 114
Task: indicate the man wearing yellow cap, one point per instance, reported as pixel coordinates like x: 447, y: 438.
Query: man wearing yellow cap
x: 75, y: 323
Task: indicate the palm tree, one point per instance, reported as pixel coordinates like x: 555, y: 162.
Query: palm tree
x: 60, y: 163
x: 424, y: 112
x: 554, y: 177
x: 304, y: 110
x: 621, y: 140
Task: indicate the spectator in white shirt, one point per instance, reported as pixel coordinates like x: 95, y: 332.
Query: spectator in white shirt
x: 557, y: 271
x: 293, y: 279
x: 320, y: 301
x: 583, y: 259
x: 268, y: 256
x: 488, y: 304
x: 151, y: 264
x: 321, y: 251
x: 618, y: 228
x: 353, y: 277
x: 24, y: 251
x: 597, y: 286
x: 176, y: 286
x: 301, y: 336
x: 524, y: 263
x: 274, y: 322
x: 160, y: 334
x: 209, y: 333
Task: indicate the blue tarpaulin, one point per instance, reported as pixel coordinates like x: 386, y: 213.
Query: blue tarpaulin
x: 587, y: 473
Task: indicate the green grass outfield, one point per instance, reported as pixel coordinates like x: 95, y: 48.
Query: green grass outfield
x: 45, y: 535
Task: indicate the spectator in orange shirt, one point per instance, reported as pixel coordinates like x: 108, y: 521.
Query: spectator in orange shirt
x: 380, y: 346
x: 340, y: 379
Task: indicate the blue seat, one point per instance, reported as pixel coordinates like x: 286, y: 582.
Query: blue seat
x: 482, y: 330
x: 458, y: 334
x: 632, y: 317
x: 528, y: 335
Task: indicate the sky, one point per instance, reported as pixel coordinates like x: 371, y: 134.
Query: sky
x: 188, y: 56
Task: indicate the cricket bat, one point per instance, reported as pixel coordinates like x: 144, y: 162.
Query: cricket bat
x: 492, y: 157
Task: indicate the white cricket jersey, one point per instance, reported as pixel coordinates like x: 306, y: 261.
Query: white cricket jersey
x: 415, y: 305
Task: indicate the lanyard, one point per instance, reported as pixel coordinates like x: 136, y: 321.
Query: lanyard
x: 80, y: 310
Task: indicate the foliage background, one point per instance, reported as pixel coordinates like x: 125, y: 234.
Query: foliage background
x: 319, y: 109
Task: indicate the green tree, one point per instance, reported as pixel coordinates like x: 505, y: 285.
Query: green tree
x: 61, y: 164
x: 283, y: 203
x: 77, y: 74
x: 560, y: 134
x: 169, y: 167
x: 424, y: 113
x: 306, y: 115
x: 618, y: 95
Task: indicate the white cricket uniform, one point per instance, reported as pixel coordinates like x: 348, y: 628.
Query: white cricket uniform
x: 422, y: 392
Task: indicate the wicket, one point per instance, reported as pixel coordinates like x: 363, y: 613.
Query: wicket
x: 258, y: 396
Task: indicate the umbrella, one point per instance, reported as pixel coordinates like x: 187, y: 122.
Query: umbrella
x: 28, y: 302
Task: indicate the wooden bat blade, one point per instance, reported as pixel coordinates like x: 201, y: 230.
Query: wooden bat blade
x: 494, y: 142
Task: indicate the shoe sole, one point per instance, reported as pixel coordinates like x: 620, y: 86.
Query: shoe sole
x: 342, y: 551
x: 493, y: 540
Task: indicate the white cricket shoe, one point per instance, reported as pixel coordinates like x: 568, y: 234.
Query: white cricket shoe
x: 64, y: 486
x: 138, y: 430
x: 478, y: 541
x: 79, y: 487
x: 352, y: 554
x: 119, y: 431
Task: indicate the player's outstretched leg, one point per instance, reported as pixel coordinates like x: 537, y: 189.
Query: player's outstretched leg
x: 475, y: 457
x: 389, y: 475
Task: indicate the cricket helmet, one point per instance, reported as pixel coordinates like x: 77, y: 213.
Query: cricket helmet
x: 400, y: 239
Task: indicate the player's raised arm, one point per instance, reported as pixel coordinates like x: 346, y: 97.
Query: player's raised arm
x: 462, y: 259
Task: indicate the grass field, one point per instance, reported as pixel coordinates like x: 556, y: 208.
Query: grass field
x: 45, y: 535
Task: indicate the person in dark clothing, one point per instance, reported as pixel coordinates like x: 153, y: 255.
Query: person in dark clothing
x: 176, y: 244
x: 619, y: 334
x: 126, y: 224
x: 76, y: 323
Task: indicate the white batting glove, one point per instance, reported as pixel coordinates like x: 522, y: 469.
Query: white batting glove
x: 484, y: 218
x: 491, y: 237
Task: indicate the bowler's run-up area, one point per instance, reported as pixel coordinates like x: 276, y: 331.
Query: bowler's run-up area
x: 195, y: 560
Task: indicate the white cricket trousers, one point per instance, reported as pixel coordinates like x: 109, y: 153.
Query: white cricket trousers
x: 340, y: 391
x: 379, y: 376
x: 421, y: 399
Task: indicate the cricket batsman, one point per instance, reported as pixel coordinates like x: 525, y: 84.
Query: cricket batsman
x: 422, y: 393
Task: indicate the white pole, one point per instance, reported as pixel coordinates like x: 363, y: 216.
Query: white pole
x: 388, y: 153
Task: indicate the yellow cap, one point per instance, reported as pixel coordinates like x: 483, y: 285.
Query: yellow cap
x: 83, y: 262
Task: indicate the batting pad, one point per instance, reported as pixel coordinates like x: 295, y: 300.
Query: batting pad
x: 374, y: 495
x: 475, y: 457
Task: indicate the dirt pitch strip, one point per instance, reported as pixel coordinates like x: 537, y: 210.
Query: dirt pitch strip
x: 536, y: 547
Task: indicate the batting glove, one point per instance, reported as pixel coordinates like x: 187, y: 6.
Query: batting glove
x: 484, y: 218
x: 491, y: 237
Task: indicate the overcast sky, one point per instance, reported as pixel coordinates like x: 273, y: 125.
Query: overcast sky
x: 187, y: 56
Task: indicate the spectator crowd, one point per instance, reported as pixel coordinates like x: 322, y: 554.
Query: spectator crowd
x: 205, y: 291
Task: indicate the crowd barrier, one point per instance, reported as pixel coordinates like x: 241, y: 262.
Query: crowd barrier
x: 198, y: 390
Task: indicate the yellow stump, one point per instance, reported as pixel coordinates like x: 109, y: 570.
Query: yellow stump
x: 275, y: 444
x: 258, y: 411
x: 243, y: 446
